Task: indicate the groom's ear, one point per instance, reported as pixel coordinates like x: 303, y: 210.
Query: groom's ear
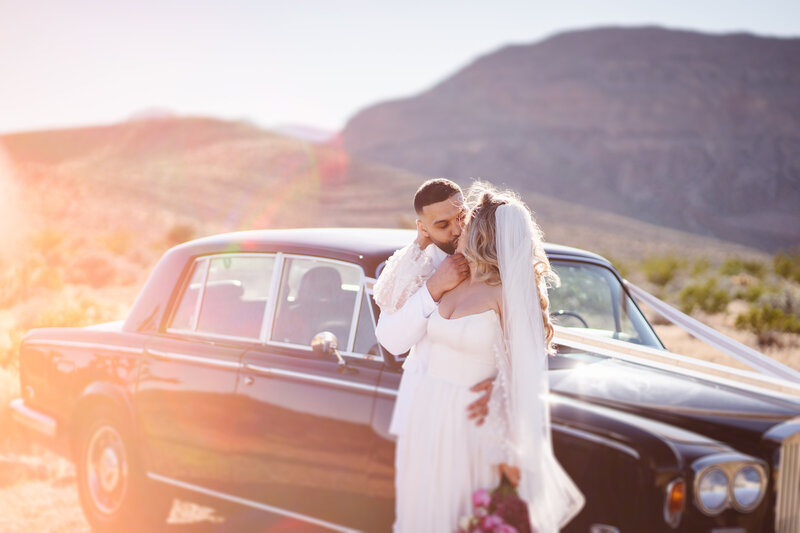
x: 421, y: 228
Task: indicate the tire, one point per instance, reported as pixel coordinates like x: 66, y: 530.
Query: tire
x: 114, y: 490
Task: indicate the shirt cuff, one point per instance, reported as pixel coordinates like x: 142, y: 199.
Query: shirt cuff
x: 428, y: 304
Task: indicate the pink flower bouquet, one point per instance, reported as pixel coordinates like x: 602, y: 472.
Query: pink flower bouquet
x: 501, y: 511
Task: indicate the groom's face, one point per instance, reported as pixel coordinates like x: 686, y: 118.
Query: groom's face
x: 443, y: 222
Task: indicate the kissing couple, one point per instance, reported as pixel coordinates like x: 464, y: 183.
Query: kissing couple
x: 468, y: 298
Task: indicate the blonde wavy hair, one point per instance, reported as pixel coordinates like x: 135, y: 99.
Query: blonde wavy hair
x: 480, y: 250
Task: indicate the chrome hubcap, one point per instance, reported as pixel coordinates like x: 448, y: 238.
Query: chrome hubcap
x: 107, y: 469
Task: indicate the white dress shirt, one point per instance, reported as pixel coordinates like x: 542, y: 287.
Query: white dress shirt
x: 406, y: 329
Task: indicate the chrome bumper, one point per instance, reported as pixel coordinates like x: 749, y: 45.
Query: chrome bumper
x: 32, y: 419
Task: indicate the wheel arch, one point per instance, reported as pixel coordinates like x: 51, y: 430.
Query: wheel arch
x: 94, y: 396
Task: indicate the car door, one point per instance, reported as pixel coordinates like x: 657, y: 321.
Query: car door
x: 186, y: 389
x: 306, y: 417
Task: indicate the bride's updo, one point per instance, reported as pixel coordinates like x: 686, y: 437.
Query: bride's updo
x: 480, y: 250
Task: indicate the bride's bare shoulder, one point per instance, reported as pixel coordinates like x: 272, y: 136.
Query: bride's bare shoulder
x: 493, y: 295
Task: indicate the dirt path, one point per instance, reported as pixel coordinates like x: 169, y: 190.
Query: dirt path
x: 39, y: 494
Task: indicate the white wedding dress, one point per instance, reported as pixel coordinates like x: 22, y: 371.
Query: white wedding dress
x: 447, y: 456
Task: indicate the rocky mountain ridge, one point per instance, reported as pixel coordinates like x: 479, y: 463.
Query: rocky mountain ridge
x: 693, y: 131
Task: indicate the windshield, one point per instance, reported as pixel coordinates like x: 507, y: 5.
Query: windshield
x: 591, y: 298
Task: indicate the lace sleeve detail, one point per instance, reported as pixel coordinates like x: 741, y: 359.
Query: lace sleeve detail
x: 405, y: 272
x: 498, y: 420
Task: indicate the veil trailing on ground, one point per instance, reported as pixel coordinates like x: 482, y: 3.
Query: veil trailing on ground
x: 553, y: 498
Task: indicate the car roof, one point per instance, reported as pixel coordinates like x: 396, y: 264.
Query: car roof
x: 368, y: 246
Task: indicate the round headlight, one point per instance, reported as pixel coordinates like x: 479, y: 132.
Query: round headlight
x: 712, y: 491
x: 748, y: 487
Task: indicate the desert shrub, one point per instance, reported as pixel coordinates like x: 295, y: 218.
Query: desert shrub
x: 31, y: 275
x: 660, y: 270
x: 622, y: 267
x: 753, y: 292
x: 733, y: 266
x: 764, y: 320
x: 179, y: 233
x: 118, y: 242
x: 700, y: 266
x: 707, y: 296
x: 9, y: 347
x: 47, y: 240
x: 787, y: 264
x: 71, y: 310
x: 95, y: 269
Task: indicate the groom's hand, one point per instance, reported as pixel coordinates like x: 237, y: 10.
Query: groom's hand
x: 453, y: 270
x: 478, y: 409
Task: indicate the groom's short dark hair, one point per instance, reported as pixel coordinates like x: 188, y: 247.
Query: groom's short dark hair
x: 434, y: 190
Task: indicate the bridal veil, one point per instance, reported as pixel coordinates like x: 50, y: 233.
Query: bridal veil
x: 553, y: 498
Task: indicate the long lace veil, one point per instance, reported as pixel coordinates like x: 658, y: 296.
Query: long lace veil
x: 553, y: 498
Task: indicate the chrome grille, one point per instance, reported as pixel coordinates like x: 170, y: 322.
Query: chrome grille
x: 787, y: 508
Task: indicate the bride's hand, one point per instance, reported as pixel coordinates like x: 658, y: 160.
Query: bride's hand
x: 511, y: 472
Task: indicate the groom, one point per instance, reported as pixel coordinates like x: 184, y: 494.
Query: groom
x: 410, y: 286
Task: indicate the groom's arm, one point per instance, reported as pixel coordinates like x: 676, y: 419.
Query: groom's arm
x: 401, y: 330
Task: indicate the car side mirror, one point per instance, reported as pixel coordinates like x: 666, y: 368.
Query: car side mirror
x: 325, y: 344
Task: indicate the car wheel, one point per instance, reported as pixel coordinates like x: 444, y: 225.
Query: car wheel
x: 115, y: 493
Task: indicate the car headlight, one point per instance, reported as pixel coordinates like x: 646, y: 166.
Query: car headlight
x: 712, y: 491
x: 731, y: 479
x: 749, y: 484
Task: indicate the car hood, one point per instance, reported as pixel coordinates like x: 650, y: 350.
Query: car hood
x: 702, y: 405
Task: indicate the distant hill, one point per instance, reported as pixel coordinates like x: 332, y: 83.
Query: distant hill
x: 151, y: 181
x: 697, y: 132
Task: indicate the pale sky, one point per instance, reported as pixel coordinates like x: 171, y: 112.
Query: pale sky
x: 313, y: 62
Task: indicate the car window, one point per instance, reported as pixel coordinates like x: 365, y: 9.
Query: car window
x: 366, y: 341
x: 185, y: 313
x: 591, y: 298
x: 235, y: 295
x: 315, y: 296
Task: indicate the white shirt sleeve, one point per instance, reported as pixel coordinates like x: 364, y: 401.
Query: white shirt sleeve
x: 405, y: 272
x: 402, y: 329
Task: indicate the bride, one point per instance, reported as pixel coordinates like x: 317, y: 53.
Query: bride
x: 494, y: 323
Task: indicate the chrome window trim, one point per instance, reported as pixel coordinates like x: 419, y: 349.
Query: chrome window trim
x: 199, y: 304
x: 83, y: 344
x: 370, y: 283
x: 374, y: 325
x: 356, y: 307
x: 184, y: 358
x: 356, y: 315
x: 385, y: 391
x: 213, y: 336
x: 249, y: 503
x: 272, y: 302
x: 307, y: 349
x: 302, y: 376
x: 379, y: 268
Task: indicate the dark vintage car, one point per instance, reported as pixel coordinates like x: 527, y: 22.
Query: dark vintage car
x: 219, y: 384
